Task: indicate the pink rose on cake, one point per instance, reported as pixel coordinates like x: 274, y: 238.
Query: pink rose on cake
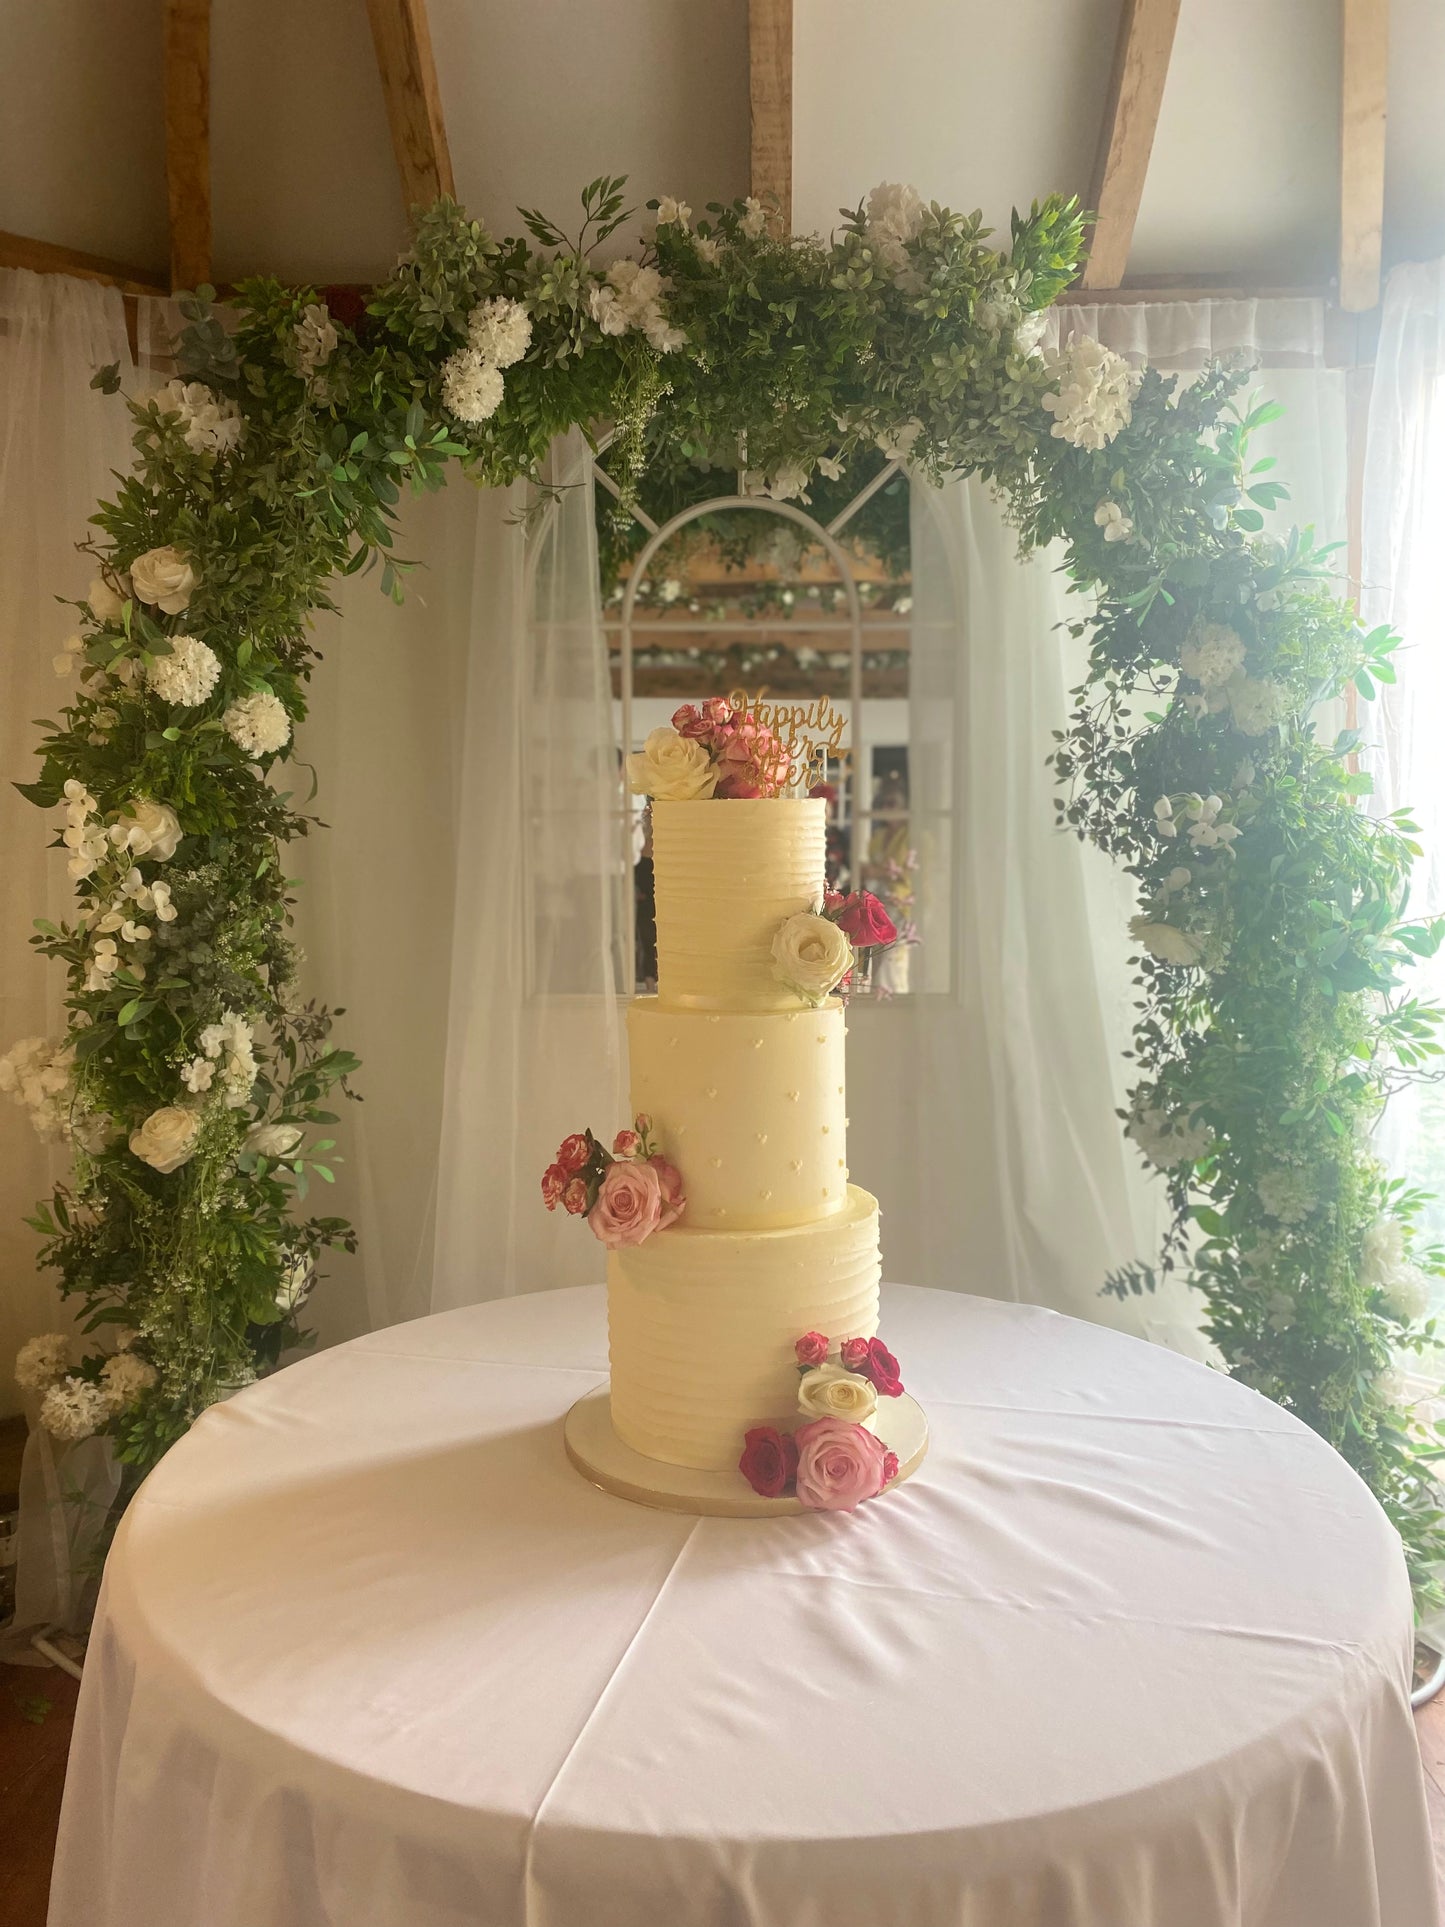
x: 840, y: 1465
x: 629, y: 1204
x: 625, y: 1194
x: 811, y: 1348
x: 626, y: 1144
x: 669, y: 1184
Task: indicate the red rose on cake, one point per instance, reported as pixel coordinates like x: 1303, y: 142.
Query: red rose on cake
x: 574, y: 1151
x: 871, y: 1358
x: 862, y: 919
x: 840, y: 1464
x: 770, y: 1460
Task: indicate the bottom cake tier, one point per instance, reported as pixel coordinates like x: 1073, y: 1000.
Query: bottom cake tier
x: 702, y: 1326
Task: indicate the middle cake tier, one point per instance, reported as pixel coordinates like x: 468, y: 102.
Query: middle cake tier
x: 749, y: 1106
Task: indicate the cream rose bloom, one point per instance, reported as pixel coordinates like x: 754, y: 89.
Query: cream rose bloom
x: 167, y: 1139
x: 165, y: 578
x: 830, y: 1391
x: 811, y: 955
x: 671, y: 768
x: 272, y: 1140
x: 159, y: 826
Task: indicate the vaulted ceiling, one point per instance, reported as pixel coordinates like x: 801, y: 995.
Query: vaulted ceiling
x: 977, y: 103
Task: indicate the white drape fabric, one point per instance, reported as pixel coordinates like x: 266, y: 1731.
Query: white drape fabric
x: 1131, y: 1649
x: 1403, y: 538
x: 1015, y: 1179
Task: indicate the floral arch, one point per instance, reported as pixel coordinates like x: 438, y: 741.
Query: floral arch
x: 1271, y: 935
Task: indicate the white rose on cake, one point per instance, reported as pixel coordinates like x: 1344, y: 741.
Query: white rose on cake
x: 671, y: 768
x: 811, y: 955
x: 831, y: 1391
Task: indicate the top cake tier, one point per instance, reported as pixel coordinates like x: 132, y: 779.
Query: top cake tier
x: 728, y: 874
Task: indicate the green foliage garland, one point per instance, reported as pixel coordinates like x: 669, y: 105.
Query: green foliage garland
x: 193, y: 1087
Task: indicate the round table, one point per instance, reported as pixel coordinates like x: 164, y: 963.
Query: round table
x: 1131, y: 1650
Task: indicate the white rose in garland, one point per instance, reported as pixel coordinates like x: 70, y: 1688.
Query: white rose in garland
x: 102, y: 600
x: 272, y: 1140
x: 1166, y: 941
x: 164, y: 578
x: 187, y: 675
x: 167, y: 1139
x: 811, y: 955
x: 672, y: 768
x: 831, y: 1391
x: 258, y: 723
x: 153, y: 829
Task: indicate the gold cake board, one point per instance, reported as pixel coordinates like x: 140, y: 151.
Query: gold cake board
x: 600, y: 1456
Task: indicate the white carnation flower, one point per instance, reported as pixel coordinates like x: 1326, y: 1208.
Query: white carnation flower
x: 1094, y: 394
x: 315, y: 337
x: 210, y: 423
x: 187, y: 675
x: 73, y: 1409
x: 1212, y: 655
x: 258, y: 723
x: 1166, y: 941
x: 500, y: 331
x: 40, y: 1362
x: 472, y: 389
x: 124, y: 1377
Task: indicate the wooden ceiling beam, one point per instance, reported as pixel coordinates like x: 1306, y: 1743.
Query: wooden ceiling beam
x: 45, y: 257
x: 770, y: 108
x: 1364, y: 62
x: 1136, y: 89
x: 402, y: 37
x: 188, y: 139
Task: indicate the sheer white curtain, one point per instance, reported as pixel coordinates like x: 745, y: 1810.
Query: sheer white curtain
x: 1012, y: 1176
x: 59, y: 442
x: 1403, y: 539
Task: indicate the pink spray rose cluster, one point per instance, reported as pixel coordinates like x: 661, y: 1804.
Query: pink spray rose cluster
x: 625, y: 1194
x: 750, y: 758
x: 833, y: 1463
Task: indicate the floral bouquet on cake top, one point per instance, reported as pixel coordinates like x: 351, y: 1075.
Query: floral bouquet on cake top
x: 625, y: 1194
x: 712, y: 751
x: 835, y: 1461
x: 815, y: 952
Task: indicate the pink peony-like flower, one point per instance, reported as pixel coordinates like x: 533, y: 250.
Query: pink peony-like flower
x: 674, y: 1198
x: 855, y: 1353
x: 863, y: 920
x: 626, y: 1144
x: 574, y: 1198
x: 881, y: 1370
x: 890, y: 1467
x: 770, y: 1460
x: 629, y: 1204
x: 573, y: 1152
x: 554, y: 1183
x: 840, y: 1464
x: 812, y: 1348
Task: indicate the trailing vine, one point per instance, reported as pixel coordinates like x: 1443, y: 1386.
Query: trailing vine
x: 193, y: 1088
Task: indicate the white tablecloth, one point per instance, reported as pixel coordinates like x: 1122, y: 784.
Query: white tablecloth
x: 1131, y: 1650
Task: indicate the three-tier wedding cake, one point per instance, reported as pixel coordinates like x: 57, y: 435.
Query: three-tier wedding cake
x: 743, y: 1270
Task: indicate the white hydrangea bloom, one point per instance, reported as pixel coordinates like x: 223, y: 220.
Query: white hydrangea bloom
x: 124, y: 1377
x: 315, y: 337
x: 37, y: 1074
x: 1212, y: 654
x: 894, y: 219
x: 631, y: 297
x: 1166, y: 941
x: 1407, y: 1293
x: 1285, y: 1195
x: 258, y: 723
x: 472, y: 389
x: 1094, y: 396
x: 73, y: 1410
x: 41, y: 1361
x: 1382, y: 1250
x: 210, y: 423
x: 230, y: 1047
x: 500, y: 331
x: 1029, y: 334
x: 187, y: 675
x: 1256, y: 706
x: 1167, y: 1138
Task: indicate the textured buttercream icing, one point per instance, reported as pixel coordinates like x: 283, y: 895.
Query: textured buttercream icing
x: 727, y: 875
x: 749, y: 1106
x: 703, y: 1324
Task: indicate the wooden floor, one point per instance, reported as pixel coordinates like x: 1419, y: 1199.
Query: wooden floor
x: 36, y: 1709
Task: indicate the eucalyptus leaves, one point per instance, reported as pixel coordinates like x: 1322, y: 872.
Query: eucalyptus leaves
x: 193, y: 1086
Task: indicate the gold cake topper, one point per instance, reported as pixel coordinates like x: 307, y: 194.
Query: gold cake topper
x: 812, y: 732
